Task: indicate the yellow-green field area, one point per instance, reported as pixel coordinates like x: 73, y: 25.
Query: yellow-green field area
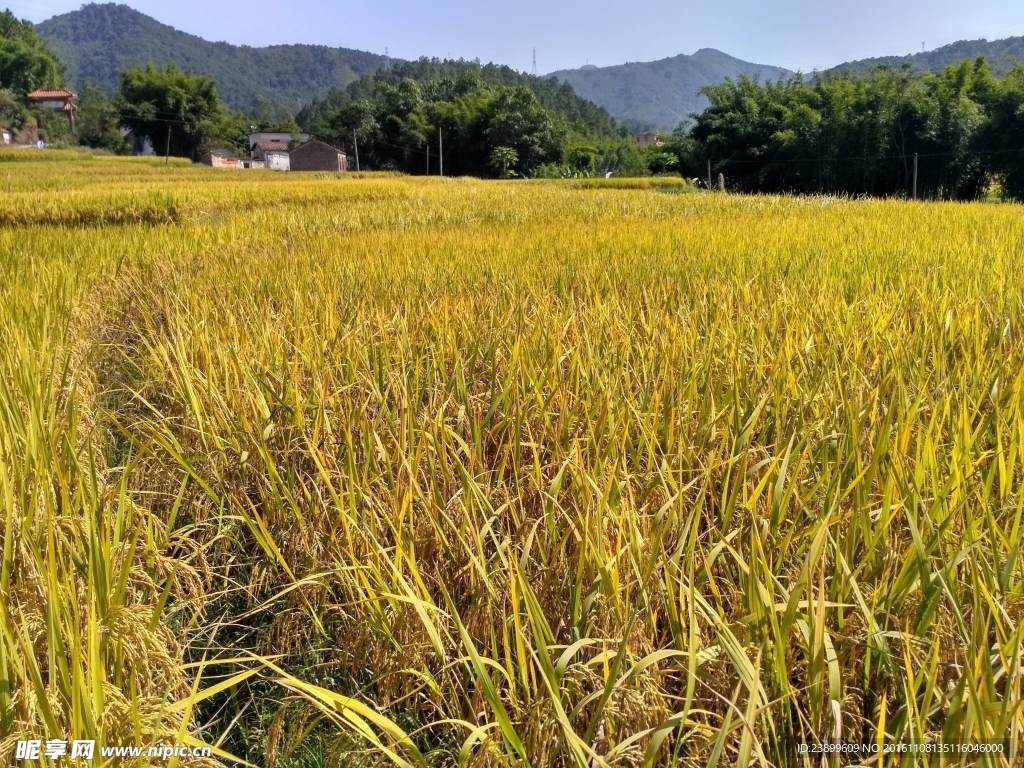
x: 335, y: 471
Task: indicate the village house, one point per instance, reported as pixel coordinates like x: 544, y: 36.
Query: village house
x: 5, y: 136
x: 271, y: 148
x: 302, y: 138
x: 315, y: 155
x: 647, y: 138
x: 273, y: 153
x: 58, y: 99
x: 221, y: 158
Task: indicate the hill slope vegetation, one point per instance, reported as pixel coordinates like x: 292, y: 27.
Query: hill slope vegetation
x: 558, y: 96
x: 660, y: 94
x: 999, y: 53
x: 97, y: 41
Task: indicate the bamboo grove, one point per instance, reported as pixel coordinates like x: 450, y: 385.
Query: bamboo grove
x: 858, y: 133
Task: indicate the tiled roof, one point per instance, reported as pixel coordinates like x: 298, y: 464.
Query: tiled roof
x: 271, y: 146
x: 52, y: 93
x: 314, y: 143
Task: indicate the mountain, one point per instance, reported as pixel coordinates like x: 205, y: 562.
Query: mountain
x: 996, y: 51
x: 98, y: 40
x: 660, y: 94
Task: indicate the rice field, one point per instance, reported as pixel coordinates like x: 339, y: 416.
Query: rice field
x: 328, y: 471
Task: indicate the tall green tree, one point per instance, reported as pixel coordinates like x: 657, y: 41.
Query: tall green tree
x: 408, y: 110
x: 177, y: 110
x: 13, y: 113
x: 1001, y: 138
x: 465, y: 76
x: 859, y: 134
x: 265, y: 115
x: 502, y: 159
x: 352, y: 126
x: 400, y: 124
x: 26, y: 63
x: 517, y: 119
x: 97, y: 121
x: 956, y: 120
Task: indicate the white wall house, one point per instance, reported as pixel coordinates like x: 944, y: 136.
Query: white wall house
x: 278, y: 161
x: 273, y: 153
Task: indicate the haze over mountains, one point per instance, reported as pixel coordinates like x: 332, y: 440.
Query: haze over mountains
x: 660, y: 94
x: 99, y: 40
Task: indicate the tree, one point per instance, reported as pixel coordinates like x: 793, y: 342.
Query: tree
x: 25, y: 61
x: 12, y: 112
x: 265, y: 115
x: 502, y: 158
x: 1001, y: 137
x: 662, y: 162
x: 583, y: 159
x: 955, y: 123
x: 355, y: 122
x: 176, y: 110
x: 858, y: 134
x: 398, y: 121
x: 98, y: 121
x: 518, y: 120
x: 231, y: 131
x: 405, y: 127
x: 475, y: 108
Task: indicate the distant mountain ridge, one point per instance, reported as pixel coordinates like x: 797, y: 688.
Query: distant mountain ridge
x: 98, y: 40
x: 996, y: 51
x: 660, y: 94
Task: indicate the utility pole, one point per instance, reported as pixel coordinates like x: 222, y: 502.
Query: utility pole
x: 355, y: 141
x: 915, y: 177
x: 709, y: 173
x: 428, y: 158
x: 167, y: 153
x: 440, y: 153
x: 534, y: 62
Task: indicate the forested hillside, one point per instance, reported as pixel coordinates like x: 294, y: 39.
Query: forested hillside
x: 556, y: 95
x: 1000, y: 54
x: 97, y: 41
x: 660, y: 94
x: 489, y: 120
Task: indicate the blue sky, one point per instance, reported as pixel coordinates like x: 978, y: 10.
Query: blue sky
x: 796, y: 34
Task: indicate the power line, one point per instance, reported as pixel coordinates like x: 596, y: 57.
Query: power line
x: 860, y: 158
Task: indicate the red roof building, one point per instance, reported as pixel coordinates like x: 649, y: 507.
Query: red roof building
x: 52, y: 94
x: 58, y: 99
x: 271, y: 146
